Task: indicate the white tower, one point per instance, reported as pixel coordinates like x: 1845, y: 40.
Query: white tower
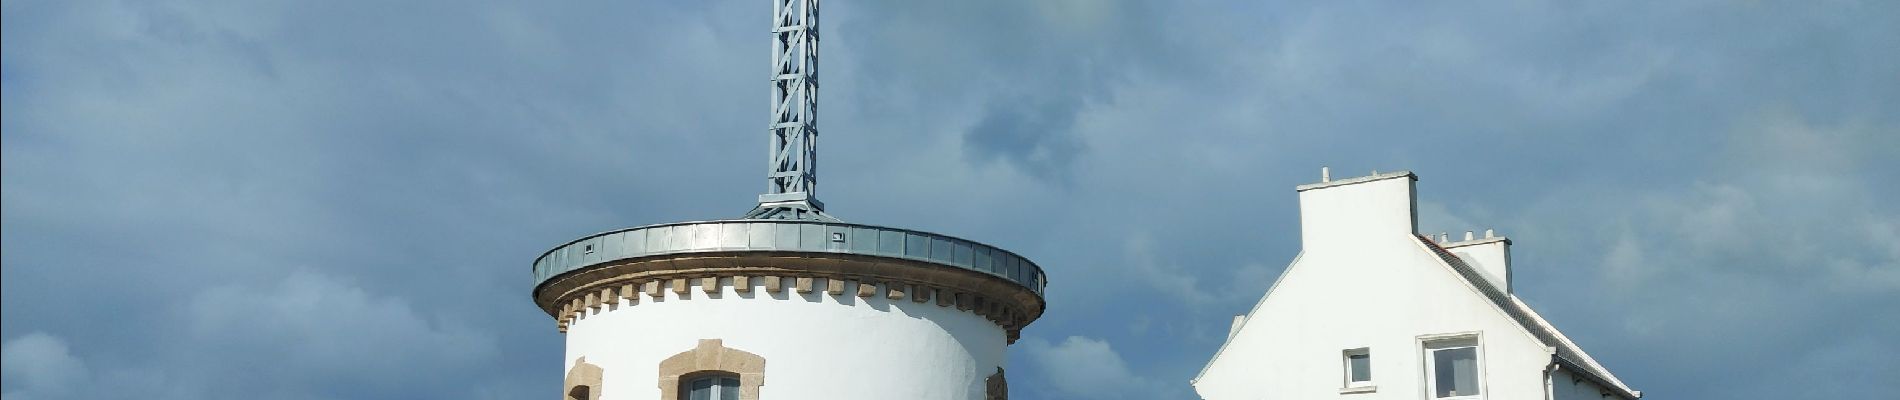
x: 788, y: 302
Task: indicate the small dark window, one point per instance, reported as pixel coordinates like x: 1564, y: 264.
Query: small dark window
x: 588, y: 249
x: 1361, y: 367
x: 1358, y: 367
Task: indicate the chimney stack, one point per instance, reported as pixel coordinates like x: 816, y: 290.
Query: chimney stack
x: 1341, y: 213
x: 1491, y: 256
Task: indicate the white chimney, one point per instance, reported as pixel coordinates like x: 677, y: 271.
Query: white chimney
x: 1341, y: 213
x: 1491, y: 256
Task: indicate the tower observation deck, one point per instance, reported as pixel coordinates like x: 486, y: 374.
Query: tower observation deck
x: 787, y: 285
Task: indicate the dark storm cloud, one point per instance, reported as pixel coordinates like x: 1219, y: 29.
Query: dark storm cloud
x: 1039, y: 139
x: 326, y: 197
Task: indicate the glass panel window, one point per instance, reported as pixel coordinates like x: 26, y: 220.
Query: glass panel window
x: 700, y: 389
x: 1455, y: 371
x: 713, y: 388
x: 1359, y: 367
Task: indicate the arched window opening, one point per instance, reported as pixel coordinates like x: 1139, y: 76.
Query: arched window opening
x: 583, y: 381
x: 712, y: 371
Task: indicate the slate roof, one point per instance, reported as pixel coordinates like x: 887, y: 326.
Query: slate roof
x: 1568, y: 353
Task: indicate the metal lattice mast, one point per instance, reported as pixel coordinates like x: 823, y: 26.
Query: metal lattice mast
x: 793, y: 178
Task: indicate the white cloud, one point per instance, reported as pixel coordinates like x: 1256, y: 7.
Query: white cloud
x: 40, y: 366
x: 304, y: 336
x: 1087, y: 368
x: 333, y: 331
x: 1162, y: 276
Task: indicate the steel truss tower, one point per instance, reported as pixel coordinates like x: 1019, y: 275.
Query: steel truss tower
x: 793, y: 176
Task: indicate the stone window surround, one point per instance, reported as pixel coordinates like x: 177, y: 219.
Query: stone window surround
x: 712, y: 356
x: 582, y: 375
x: 996, y: 387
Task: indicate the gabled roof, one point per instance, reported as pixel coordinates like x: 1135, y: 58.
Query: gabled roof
x: 1568, y: 353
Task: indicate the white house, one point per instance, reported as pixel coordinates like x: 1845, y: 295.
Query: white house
x: 1370, y: 309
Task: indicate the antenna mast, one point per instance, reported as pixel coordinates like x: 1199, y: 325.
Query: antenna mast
x: 793, y: 177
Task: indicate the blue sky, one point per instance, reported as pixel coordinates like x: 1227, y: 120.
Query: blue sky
x: 340, y: 199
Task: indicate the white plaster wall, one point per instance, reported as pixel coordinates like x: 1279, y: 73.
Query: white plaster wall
x: 1362, y: 280
x: 816, y: 345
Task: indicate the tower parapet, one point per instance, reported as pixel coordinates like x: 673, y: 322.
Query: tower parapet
x: 581, y: 276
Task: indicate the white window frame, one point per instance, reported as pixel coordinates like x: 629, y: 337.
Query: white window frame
x: 1429, y: 345
x: 1346, y: 361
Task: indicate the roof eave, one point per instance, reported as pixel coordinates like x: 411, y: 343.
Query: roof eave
x: 1579, y: 370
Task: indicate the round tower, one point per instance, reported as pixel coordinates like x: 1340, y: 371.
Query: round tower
x: 785, y: 309
x: 787, y: 302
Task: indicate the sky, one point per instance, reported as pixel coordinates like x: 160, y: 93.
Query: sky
x: 341, y: 199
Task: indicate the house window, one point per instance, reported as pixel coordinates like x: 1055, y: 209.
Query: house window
x: 1358, y: 367
x: 1453, y: 370
x: 711, y: 387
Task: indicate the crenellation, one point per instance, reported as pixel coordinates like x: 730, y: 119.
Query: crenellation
x: 894, y: 290
x: 920, y: 293
x: 834, y: 286
x: 631, y: 292
x: 591, y: 301
x: 773, y: 284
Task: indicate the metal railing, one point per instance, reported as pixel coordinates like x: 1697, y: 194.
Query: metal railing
x: 787, y: 236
